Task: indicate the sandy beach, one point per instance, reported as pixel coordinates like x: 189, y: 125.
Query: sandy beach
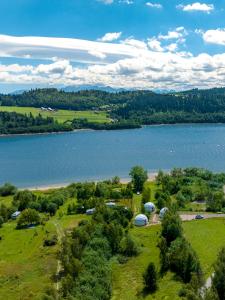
x: 151, y: 177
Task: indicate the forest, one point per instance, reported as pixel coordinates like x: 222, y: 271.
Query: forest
x: 14, y: 123
x: 127, y: 109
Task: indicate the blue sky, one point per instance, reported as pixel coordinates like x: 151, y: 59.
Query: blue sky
x: 157, y: 44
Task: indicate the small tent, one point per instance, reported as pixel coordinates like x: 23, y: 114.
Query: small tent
x: 90, y: 211
x: 162, y: 212
x: 140, y: 220
x: 149, y: 207
x: 110, y: 204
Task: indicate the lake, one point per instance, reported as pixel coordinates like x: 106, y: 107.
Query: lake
x: 42, y: 160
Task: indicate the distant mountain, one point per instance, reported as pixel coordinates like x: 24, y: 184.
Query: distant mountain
x: 18, y: 92
x: 88, y: 87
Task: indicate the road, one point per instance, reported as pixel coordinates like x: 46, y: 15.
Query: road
x: 189, y: 217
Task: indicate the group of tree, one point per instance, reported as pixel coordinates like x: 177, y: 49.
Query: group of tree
x: 191, y: 185
x: 15, y: 123
x: 90, y: 194
x: 177, y: 254
x: 87, y: 251
x: 129, y: 109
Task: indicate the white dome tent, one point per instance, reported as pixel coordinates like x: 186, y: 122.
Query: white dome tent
x: 140, y: 220
x: 162, y: 212
x: 110, y: 204
x: 149, y: 207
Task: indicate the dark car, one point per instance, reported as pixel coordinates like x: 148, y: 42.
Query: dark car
x: 199, y: 217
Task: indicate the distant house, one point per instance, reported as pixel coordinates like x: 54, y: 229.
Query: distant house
x: 15, y: 215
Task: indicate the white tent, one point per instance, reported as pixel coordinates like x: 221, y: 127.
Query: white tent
x: 162, y: 212
x: 140, y: 220
x: 110, y: 204
x: 90, y: 211
x: 149, y: 207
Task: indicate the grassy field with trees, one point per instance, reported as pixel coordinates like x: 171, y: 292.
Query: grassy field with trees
x: 60, y: 115
x: 55, y: 250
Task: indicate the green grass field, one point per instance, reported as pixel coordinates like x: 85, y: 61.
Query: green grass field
x: 60, y: 115
x: 206, y: 236
x: 26, y: 267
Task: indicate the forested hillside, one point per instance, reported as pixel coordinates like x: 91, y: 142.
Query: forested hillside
x: 130, y: 109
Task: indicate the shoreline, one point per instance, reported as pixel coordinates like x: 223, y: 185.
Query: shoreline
x: 151, y: 177
x: 43, y: 133
x: 90, y: 129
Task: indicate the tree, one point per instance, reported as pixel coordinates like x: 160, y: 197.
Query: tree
x: 150, y: 278
x: 139, y: 176
x: 116, y: 180
x: 7, y: 190
x: 171, y: 226
x: 146, y: 195
x: 183, y: 260
x: 1, y: 221
x: 22, y: 199
x: 218, y: 280
x: 27, y: 217
x: 128, y: 246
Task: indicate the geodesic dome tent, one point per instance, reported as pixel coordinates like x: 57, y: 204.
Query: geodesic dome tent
x: 140, y: 220
x: 90, y: 211
x: 149, y: 207
x: 110, y: 204
x: 162, y: 212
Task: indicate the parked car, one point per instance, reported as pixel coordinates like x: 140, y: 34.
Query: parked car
x: 199, y: 217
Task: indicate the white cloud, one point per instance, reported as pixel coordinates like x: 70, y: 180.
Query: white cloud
x: 131, y: 63
x: 110, y: 36
x: 197, y: 6
x: 154, y: 5
x: 106, y: 1
x: 216, y: 36
x: 128, y: 2
x: 155, y: 45
x: 135, y: 43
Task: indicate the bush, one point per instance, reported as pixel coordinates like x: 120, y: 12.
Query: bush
x: 28, y: 217
x: 50, y: 241
x: 1, y: 221
x: 150, y: 278
x: 7, y: 190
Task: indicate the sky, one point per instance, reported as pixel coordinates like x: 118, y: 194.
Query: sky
x: 133, y: 44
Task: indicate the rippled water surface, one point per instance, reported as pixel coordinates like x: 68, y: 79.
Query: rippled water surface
x: 85, y: 155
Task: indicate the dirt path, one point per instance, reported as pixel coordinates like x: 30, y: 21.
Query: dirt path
x: 60, y: 235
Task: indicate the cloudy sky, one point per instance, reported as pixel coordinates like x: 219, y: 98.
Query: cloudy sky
x: 160, y: 44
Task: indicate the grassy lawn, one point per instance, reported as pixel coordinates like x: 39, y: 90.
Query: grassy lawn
x: 26, y: 267
x: 60, y: 115
x: 206, y: 236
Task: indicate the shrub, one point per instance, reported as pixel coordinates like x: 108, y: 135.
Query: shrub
x: 50, y: 241
x: 7, y: 190
x: 150, y: 278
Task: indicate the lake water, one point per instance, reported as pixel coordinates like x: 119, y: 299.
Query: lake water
x: 41, y: 160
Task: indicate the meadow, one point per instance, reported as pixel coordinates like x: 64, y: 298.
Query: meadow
x: 61, y: 115
x: 206, y: 237
x: 26, y: 266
